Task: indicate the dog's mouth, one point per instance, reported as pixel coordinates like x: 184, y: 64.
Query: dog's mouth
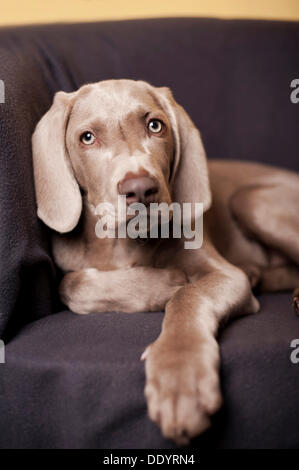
x: 148, y: 219
x: 135, y: 209
x: 142, y: 218
x: 150, y: 197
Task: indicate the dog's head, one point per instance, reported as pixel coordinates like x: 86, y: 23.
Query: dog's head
x: 115, y: 137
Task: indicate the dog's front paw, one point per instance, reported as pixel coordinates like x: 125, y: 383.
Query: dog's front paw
x: 182, y: 386
x: 296, y: 301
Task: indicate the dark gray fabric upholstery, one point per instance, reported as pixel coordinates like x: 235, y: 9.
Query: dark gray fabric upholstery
x: 76, y: 381
x: 73, y: 381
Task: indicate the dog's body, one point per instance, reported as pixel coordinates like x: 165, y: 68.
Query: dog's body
x: 250, y: 234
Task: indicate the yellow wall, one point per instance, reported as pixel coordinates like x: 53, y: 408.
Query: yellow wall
x: 37, y: 11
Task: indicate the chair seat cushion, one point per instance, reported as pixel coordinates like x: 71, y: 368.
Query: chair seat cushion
x: 74, y: 381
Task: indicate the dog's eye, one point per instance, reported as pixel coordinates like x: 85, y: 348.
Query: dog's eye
x: 87, y: 138
x: 155, y: 126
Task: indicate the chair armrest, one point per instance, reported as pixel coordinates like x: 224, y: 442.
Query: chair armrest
x: 27, y: 272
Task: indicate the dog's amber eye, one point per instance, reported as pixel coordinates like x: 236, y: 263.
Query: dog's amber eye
x: 155, y: 126
x: 87, y: 138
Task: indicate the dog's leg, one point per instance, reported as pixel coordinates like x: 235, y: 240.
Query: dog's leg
x: 182, y: 365
x: 271, y: 215
x: 137, y: 289
x: 285, y: 277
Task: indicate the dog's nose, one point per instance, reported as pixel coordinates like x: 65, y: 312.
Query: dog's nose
x: 141, y: 189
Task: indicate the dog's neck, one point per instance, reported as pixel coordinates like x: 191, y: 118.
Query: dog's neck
x: 115, y: 251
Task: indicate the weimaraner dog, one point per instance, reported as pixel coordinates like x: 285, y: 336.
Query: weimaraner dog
x: 130, y: 138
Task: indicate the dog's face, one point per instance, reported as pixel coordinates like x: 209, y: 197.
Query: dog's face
x: 115, y: 137
x: 119, y: 140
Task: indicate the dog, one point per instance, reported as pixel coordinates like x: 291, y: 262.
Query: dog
x: 126, y: 137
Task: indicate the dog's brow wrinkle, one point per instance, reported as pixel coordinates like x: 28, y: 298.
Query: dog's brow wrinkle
x: 155, y: 99
x: 96, y: 124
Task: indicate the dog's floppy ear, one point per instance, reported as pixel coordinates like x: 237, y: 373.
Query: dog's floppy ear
x: 189, y: 177
x: 58, y: 195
